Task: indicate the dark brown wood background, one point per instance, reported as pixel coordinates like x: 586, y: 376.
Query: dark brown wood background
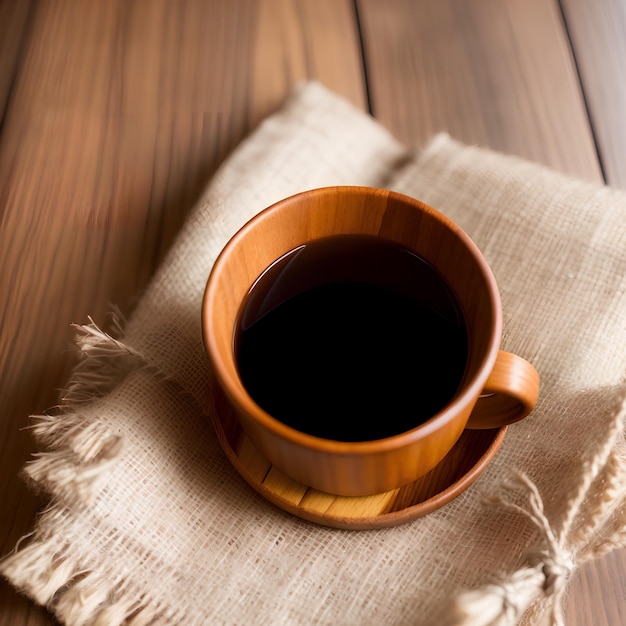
x: 114, y: 114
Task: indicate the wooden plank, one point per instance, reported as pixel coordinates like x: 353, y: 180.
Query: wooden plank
x: 118, y: 115
x: 497, y: 73
x: 298, y: 39
x: 596, y: 594
x: 598, y: 37
x: 14, y: 20
x: 18, y: 504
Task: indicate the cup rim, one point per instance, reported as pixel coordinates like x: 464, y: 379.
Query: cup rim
x: 238, y: 395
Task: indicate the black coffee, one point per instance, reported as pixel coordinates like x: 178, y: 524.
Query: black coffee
x: 351, y: 338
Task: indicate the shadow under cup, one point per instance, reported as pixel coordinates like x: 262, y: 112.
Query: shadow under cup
x: 358, y: 467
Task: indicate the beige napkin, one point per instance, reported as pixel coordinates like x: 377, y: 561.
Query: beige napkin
x: 149, y: 523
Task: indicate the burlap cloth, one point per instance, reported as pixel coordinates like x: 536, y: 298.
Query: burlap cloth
x: 149, y: 523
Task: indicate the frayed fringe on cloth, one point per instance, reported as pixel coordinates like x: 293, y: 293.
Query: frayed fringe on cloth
x: 81, y: 448
x: 53, y: 578
x: 81, y: 453
x: 548, y: 570
x: 547, y: 573
x: 104, y: 360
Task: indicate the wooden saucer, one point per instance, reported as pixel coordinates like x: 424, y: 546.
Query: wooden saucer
x: 458, y: 470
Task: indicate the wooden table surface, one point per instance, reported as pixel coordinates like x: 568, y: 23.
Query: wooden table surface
x: 115, y: 113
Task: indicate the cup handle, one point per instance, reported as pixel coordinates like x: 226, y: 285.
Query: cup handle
x: 510, y: 393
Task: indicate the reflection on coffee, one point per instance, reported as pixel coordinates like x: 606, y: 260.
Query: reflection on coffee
x: 351, y: 338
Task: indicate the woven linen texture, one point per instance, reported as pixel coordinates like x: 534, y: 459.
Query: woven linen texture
x: 149, y: 523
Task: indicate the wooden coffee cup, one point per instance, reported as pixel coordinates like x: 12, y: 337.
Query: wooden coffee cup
x: 497, y: 387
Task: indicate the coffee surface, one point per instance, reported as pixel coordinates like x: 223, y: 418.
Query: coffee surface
x: 351, y: 338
